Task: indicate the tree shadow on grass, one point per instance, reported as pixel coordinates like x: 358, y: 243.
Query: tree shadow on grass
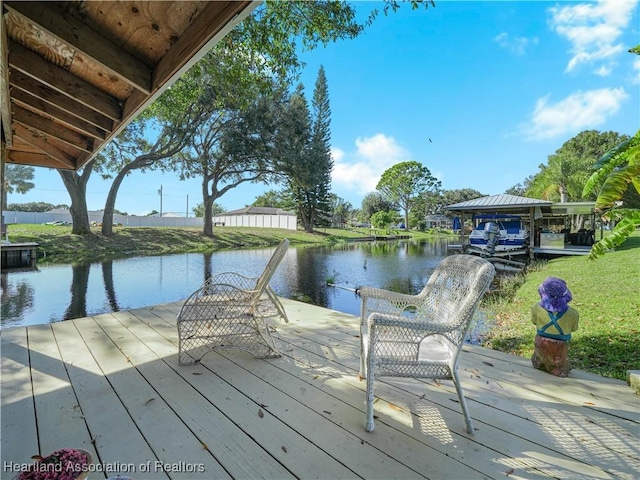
x: 607, y: 355
x: 630, y: 243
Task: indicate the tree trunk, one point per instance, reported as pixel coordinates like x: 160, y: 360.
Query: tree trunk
x: 564, y: 195
x: 207, y: 202
x: 305, y: 220
x: 76, y: 185
x: 110, y: 204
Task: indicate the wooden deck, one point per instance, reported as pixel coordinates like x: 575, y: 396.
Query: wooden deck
x: 111, y: 384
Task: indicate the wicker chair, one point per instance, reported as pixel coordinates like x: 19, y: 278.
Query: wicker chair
x: 420, y: 336
x: 230, y: 311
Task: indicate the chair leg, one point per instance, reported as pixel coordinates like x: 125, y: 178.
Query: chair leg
x: 368, y: 426
x: 463, y: 401
x: 362, y: 374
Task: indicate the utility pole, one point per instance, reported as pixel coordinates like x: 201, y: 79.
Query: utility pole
x: 160, y: 193
x: 187, y: 205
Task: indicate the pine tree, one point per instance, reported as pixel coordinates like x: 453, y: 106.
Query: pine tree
x: 321, y: 149
x: 304, y: 154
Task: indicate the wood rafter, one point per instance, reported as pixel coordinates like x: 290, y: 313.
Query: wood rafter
x: 47, y: 110
x: 32, y: 64
x: 42, y: 143
x: 74, y: 74
x: 82, y: 39
x: 20, y: 81
x: 53, y: 129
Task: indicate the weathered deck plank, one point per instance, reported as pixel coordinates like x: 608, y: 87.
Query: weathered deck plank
x: 114, y: 381
x: 114, y: 433
x: 19, y: 430
x: 571, y: 402
x: 213, y: 428
x: 60, y: 420
x: 534, y: 427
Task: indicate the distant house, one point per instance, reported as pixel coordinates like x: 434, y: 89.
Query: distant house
x: 438, y: 221
x: 261, y: 217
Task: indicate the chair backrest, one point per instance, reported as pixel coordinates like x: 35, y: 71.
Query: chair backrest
x: 272, y: 265
x: 454, y: 291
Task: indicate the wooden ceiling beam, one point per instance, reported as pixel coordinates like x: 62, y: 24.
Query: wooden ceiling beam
x: 32, y: 64
x: 31, y: 158
x: 53, y: 129
x: 5, y: 102
x: 82, y: 38
x: 194, y: 44
x: 47, y: 110
x: 196, y: 38
x: 36, y: 140
x: 44, y: 93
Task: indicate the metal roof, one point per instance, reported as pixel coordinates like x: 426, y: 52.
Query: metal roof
x: 498, y: 202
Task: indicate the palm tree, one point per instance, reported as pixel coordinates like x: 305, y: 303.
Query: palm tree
x: 618, y: 168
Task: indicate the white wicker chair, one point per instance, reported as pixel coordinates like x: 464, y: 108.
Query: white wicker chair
x: 230, y: 311
x: 420, y: 336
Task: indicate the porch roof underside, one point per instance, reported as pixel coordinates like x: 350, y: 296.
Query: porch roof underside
x: 73, y: 74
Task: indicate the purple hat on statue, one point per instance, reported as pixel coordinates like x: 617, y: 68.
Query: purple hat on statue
x: 554, y: 295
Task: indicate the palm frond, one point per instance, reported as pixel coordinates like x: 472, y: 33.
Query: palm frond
x: 616, y: 184
x: 625, y: 153
x: 613, y: 154
x: 597, y: 178
x: 618, y: 235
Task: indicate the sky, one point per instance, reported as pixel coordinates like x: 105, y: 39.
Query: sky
x: 481, y: 93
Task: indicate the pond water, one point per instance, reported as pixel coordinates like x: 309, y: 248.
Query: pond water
x: 59, y: 292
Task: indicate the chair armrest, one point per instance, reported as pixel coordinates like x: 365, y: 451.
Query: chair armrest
x: 367, y: 293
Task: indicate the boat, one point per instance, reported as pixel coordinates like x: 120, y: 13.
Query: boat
x: 496, y: 234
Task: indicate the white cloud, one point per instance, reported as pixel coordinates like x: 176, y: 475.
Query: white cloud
x: 593, y: 29
x: 516, y: 45
x: 360, y: 170
x: 603, y: 71
x: 578, y: 111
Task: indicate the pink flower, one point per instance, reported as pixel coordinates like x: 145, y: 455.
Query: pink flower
x: 65, y: 464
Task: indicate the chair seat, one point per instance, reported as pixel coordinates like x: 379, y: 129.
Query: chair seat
x: 434, y: 358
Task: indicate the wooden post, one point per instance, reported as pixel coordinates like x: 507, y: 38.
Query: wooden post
x: 3, y: 152
x: 532, y: 232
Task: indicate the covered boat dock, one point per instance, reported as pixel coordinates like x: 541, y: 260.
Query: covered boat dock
x: 546, y: 222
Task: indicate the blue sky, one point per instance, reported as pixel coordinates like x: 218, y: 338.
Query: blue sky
x: 496, y: 86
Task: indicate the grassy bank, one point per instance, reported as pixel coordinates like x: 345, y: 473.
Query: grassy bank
x: 606, y: 294
x: 58, y: 245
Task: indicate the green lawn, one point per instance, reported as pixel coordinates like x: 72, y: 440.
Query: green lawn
x: 606, y: 292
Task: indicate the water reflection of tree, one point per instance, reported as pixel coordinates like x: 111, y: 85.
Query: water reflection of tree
x: 207, y: 262
x: 312, y: 265
x: 78, y: 306
x: 109, y: 288
x: 401, y: 285
x: 16, y: 300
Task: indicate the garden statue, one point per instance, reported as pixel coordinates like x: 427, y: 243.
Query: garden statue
x: 554, y: 320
